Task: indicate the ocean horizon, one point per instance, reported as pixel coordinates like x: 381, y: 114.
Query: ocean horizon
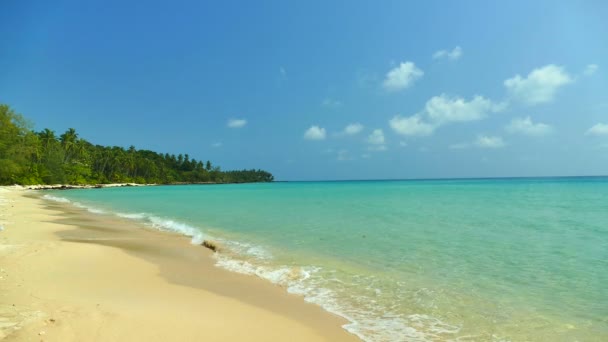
x: 426, y: 179
x: 492, y: 259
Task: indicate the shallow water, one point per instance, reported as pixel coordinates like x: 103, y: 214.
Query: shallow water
x: 467, y: 260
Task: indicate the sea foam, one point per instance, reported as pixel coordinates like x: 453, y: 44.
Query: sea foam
x: 76, y: 204
x: 56, y: 199
x: 369, y: 321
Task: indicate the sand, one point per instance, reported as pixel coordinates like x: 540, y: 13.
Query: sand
x: 66, y: 275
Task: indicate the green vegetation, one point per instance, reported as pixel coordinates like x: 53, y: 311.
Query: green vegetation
x: 28, y: 157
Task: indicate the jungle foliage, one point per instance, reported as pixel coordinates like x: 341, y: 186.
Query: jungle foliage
x: 29, y: 157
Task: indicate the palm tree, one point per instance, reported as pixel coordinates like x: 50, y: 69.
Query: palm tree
x: 68, y: 140
x: 47, y: 137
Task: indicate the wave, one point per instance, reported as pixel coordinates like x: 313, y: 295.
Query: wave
x: 56, y: 199
x: 76, y: 204
x: 132, y: 216
x: 366, y: 318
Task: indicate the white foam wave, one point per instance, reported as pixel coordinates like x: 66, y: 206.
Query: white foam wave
x: 96, y: 211
x: 138, y: 216
x: 167, y: 224
x: 76, y: 204
x: 247, y: 249
x: 367, y: 319
x: 56, y: 199
x: 153, y: 221
x: 88, y: 208
x: 1, y: 228
x: 178, y: 227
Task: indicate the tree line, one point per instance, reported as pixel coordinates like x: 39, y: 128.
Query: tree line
x: 29, y: 157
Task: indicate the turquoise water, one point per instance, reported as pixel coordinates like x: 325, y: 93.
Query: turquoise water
x: 436, y: 260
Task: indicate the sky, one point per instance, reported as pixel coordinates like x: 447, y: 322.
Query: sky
x: 322, y: 90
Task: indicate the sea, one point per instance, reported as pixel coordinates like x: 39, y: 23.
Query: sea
x: 515, y: 259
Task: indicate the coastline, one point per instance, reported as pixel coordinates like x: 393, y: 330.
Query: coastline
x: 112, y: 185
x: 69, y: 275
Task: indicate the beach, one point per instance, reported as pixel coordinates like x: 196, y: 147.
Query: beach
x: 419, y: 260
x: 66, y: 275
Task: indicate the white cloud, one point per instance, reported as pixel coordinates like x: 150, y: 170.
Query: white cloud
x: 412, y: 125
x: 539, y: 86
x: 216, y: 144
x: 598, y: 129
x: 283, y: 71
x: 590, y: 69
x: 527, y: 127
x: 376, y: 138
x: 237, y: 123
x: 443, y: 109
x: 376, y: 141
x: 366, y: 156
x: 402, y: 76
x: 451, y: 55
x: 331, y: 103
x: 402, y: 144
x: 353, y: 128
x: 315, y: 133
x: 485, y: 141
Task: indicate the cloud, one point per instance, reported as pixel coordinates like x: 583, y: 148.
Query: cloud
x: 283, y: 72
x: 402, y: 76
x: 237, y: 123
x: 598, y: 129
x: 412, y: 125
x: 315, y: 133
x: 527, y: 127
x: 485, y: 141
x: 216, y: 144
x: 444, y: 109
x: 453, y: 55
x: 353, y: 128
x: 590, y: 69
x: 376, y: 140
x: 402, y: 144
x: 331, y: 103
x: 540, y: 86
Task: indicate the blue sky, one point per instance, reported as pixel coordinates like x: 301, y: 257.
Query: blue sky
x: 322, y: 90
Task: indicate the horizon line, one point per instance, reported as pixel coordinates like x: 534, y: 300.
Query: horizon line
x: 436, y: 179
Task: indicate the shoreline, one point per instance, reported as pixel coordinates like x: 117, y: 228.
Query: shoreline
x: 112, y: 185
x: 66, y: 273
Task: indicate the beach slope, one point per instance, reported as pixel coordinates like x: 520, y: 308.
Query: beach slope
x: 62, y: 281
